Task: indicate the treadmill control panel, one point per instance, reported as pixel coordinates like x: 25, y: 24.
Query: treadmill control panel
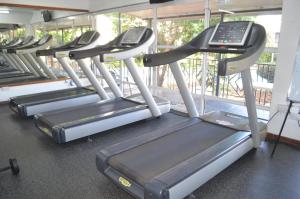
x: 86, y: 38
x: 43, y: 39
x: 133, y: 36
x: 230, y: 33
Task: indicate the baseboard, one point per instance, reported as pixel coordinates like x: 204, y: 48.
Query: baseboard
x: 272, y: 137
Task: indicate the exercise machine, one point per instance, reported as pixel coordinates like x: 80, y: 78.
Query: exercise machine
x: 8, y: 67
x: 70, y: 124
x: 29, y: 105
x: 35, y: 69
x: 14, y: 61
x: 177, y: 159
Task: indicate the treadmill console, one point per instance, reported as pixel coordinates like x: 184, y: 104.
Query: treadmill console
x: 230, y: 33
x: 133, y: 36
x: 44, y: 39
x: 86, y: 38
x: 27, y: 40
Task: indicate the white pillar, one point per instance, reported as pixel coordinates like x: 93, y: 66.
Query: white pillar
x: 154, y: 73
x: 205, y: 59
x: 287, y: 47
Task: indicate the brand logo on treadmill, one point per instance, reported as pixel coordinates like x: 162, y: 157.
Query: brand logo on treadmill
x: 62, y: 54
x: 110, y: 58
x: 124, y: 182
x: 20, y: 52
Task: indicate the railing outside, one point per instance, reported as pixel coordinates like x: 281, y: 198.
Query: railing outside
x: 228, y: 87
x: 225, y: 87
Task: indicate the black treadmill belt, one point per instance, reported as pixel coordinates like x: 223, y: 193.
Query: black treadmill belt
x: 164, y: 153
x: 6, y: 70
x: 52, y: 96
x: 86, y: 111
x: 13, y: 75
x: 20, y: 79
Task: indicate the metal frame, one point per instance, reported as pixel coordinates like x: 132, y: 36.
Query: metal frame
x: 184, y: 91
x: 72, y: 74
x: 108, y: 77
x: 93, y: 79
x: 90, y: 128
x: 142, y: 87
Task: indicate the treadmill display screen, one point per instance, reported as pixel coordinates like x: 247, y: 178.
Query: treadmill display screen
x: 133, y: 36
x: 86, y: 38
x: 230, y: 33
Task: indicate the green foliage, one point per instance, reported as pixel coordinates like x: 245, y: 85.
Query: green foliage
x: 62, y: 36
x: 129, y: 21
x: 20, y: 32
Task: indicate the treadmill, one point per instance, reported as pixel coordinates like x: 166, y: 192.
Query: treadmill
x: 29, y: 105
x: 27, y: 72
x: 74, y: 123
x: 9, y: 68
x: 36, y: 69
x: 34, y: 63
x: 8, y: 59
x: 173, y: 161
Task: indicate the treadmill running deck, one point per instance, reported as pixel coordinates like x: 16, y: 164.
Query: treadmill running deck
x: 52, y: 96
x: 87, y: 112
x: 163, y: 153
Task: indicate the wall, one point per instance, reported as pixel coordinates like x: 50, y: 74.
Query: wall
x: 75, y: 4
x: 16, y: 18
x: 37, y: 16
x: 96, y: 5
x: 289, y: 36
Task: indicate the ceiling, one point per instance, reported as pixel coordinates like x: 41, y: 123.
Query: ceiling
x: 197, y: 7
x: 67, y: 22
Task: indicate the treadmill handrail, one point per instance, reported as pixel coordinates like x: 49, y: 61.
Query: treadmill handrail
x: 86, y: 53
x: 51, y: 51
x: 34, y: 47
x: 114, y: 50
x: 23, y: 43
x: 200, y: 44
x: 11, y: 43
x: 17, y: 43
x: 59, y: 53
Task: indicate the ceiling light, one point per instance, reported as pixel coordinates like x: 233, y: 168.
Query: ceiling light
x: 4, y: 11
x: 72, y: 17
